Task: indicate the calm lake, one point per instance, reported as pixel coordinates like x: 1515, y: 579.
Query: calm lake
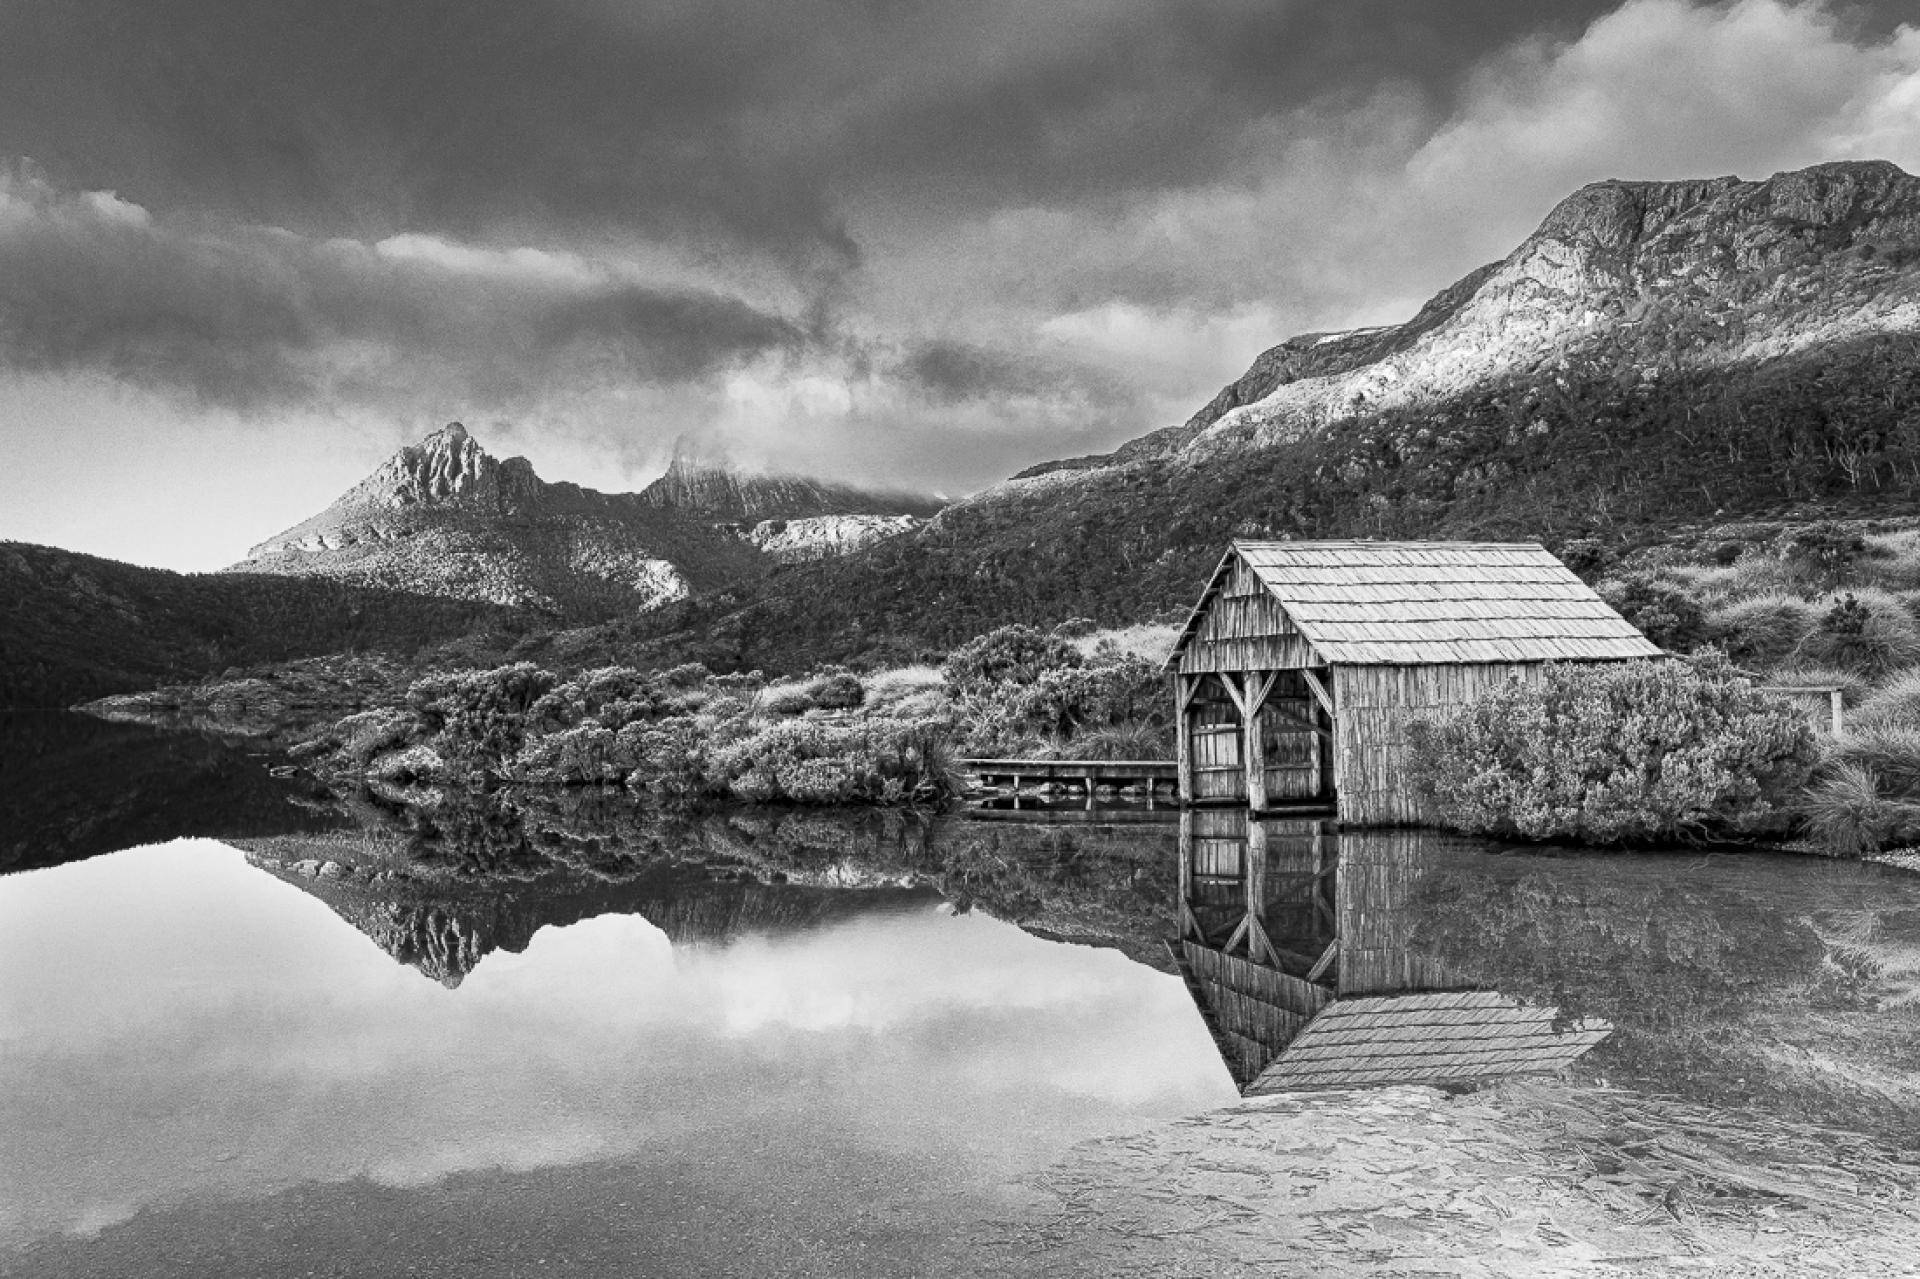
x: 249, y: 1028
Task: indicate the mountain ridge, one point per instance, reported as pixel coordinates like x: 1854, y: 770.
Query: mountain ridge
x: 444, y: 517
x: 1653, y: 353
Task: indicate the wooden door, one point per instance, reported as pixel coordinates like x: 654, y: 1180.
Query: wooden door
x: 1218, y: 773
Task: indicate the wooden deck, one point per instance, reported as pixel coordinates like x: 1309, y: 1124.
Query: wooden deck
x: 1090, y: 772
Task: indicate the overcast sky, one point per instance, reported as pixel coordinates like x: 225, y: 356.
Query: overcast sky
x: 246, y: 249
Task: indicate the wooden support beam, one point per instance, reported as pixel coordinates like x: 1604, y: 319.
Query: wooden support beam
x: 1258, y: 946
x: 1258, y: 687
x: 1837, y: 706
x: 1318, y: 690
x: 1304, y: 725
x: 1239, y: 931
x: 1234, y: 691
x: 1253, y: 753
x: 1325, y: 961
x: 1190, y: 925
x: 1187, y: 847
x: 1183, y: 690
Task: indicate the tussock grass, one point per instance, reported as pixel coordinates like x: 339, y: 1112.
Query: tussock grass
x: 1845, y: 811
x: 1890, y: 754
x: 890, y: 691
x: 1766, y: 629
x: 1853, y: 685
x: 1711, y: 584
x: 1892, y: 561
x: 1895, y: 704
x: 1877, y: 637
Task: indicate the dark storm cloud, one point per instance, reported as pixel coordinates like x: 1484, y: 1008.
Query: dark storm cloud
x: 742, y: 121
x: 946, y: 371
x: 245, y: 317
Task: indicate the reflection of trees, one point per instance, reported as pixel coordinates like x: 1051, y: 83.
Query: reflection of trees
x: 1718, y: 974
x: 441, y: 884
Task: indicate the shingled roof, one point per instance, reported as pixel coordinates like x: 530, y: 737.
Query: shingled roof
x: 1277, y: 1033
x: 1425, y: 603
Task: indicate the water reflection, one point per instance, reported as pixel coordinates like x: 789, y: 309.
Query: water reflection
x: 741, y: 989
x: 72, y: 786
x: 1294, y: 941
x: 181, y: 1028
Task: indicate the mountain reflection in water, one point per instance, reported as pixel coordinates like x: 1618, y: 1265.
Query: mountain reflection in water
x: 789, y: 1016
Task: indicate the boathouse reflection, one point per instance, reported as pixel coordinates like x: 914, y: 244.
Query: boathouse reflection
x: 1294, y: 942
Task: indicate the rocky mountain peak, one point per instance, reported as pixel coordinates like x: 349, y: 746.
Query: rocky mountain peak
x: 446, y: 465
x: 702, y: 486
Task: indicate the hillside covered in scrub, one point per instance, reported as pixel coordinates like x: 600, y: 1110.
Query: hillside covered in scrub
x: 1655, y: 354
x: 76, y: 627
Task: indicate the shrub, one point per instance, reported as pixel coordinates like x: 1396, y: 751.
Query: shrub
x: 814, y: 762
x: 1585, y: 556
x: 585, y: 755
x: 1866, y: 630
x: 1138, y: 740
x: 1009, y: 655
x: 360, y: 737
x: 1762, y: 629
x: 1824, y: 554
x: 480, y: 716
x: 1012, y: 717
x: 1664, y: 613
x: 1612, y: 752
x: 837, y: 691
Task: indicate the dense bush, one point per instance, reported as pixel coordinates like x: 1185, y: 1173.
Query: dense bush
x: 1615, y: 752
x: 1664, y: 613
x: 1009, y: 655
x: 480, y: 715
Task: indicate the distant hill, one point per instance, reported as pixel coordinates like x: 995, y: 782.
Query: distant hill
x: 445, y: 517
x: 1656, y: 352
x: 76, y: 627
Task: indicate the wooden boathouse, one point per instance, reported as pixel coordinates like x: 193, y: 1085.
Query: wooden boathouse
x: 1302, y: 665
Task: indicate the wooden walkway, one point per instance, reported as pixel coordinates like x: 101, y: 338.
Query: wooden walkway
x: 1090, y: 772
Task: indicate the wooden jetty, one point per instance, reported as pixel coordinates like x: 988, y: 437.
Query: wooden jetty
x: 1303, y: 664
x: 1088, y: 774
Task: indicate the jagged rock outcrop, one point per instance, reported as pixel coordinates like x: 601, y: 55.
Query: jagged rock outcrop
x: 445, y: 517
x: 819, y: 537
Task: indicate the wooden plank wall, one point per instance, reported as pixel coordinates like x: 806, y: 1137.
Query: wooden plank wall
x: 1379, y: 872
x: 1246, y: 629
x: 1375, y: 704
